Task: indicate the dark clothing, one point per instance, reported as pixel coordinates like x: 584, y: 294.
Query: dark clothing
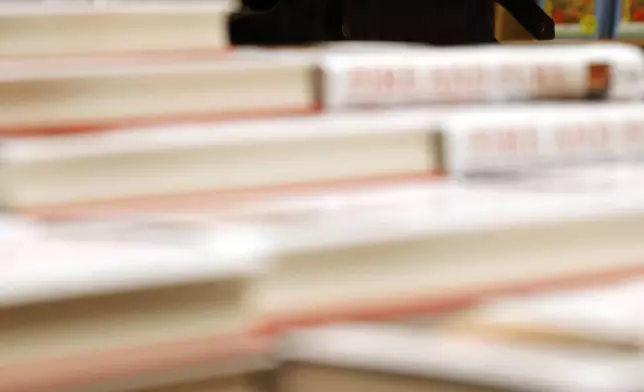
x: 280, y: 22
x: 437, y: 22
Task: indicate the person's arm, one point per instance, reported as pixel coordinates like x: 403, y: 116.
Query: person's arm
x: 435, y: 22
x: 259, y: 5
x: 438, y: 22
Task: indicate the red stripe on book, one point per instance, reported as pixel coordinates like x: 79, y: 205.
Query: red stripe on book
x: 213, y: 201
x: 126, y: 124
x: 383, y: 310
x: 88, y: 369
x: 71, y: 61
x: 124, y: 57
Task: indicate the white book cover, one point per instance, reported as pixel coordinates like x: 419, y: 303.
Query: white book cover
x: 484, y: 73
x: 541, y: 136
x: 55, y: 263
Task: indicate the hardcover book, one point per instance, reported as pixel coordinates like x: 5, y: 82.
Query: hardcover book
x: 53, y: 28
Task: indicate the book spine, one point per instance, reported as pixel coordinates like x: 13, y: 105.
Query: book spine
x: 354, y: 82
x: 527, y: 140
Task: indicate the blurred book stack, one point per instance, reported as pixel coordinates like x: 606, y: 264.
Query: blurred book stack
x: 172, y: 120
x: 137, y: 315
x: 175, y: 207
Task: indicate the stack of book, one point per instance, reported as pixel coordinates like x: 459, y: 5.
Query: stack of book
x: 175, y: 206
x: 89, y: 137
x: 133, y: 314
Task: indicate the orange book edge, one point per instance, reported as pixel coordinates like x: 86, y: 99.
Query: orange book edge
x: 380, y: 310
x: 130, y: 124
x: 94, y: 367
x: 85, y: 369
x: 213, y: 201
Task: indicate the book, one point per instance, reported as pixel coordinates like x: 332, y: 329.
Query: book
x: 210, y: 202
x: 223, y: 365
x: 98, y: 308
x: 577, y: 19
x: 75, y: 95
x: 76, y: 27
x: 254, y: 156
x: 629, y: 19
x: 221, y: 156
x: 389, y: 358
x: 499, y: 73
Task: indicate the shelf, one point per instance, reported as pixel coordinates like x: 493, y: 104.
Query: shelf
x: 509, y: 31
